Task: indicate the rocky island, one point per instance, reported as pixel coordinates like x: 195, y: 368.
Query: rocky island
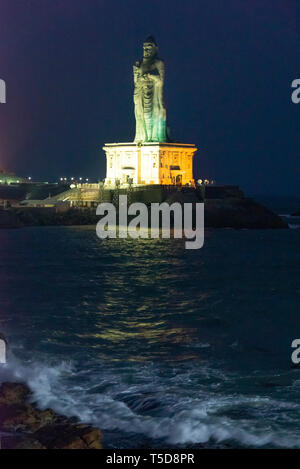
x: 225, y: 207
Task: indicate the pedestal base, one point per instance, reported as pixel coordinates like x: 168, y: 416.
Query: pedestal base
x: 149, y: 163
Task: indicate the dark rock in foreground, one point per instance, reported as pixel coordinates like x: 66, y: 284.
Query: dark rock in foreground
x: 23, y: 426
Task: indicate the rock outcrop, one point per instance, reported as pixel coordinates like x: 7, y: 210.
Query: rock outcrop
x: 23, y: 426
x: 232, y: 212
x: 225, y: 207
x: 240, y: 213
x: 9, y: 220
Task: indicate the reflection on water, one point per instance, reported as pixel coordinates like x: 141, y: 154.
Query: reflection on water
x: 111, y: 295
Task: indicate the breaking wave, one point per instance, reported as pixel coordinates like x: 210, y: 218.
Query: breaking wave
x: 157, y: 408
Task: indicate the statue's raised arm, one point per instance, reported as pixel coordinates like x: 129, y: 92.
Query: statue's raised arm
x: 150, y: 113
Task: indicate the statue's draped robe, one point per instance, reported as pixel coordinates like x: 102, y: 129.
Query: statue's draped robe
x: 150, y: 112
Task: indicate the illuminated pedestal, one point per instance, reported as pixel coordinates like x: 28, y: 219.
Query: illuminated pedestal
x: 149, y: 163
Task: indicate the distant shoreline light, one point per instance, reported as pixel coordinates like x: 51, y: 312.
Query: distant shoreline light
x: 74, y: 180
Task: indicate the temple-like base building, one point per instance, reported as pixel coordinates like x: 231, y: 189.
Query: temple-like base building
x: 149, y: 163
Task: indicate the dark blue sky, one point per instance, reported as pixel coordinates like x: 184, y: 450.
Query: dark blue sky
x: 229, y: 68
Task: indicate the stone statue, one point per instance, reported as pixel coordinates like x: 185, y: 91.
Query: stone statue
x: 150, y: 113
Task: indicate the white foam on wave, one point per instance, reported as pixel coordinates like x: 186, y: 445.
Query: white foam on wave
x: 190, y: 420
x: 40, y: 377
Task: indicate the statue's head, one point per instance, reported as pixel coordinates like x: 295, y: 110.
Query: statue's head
x: 150, y: 47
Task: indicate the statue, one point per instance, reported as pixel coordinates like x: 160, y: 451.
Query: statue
x: 150, y: 113
x: 152, y: 159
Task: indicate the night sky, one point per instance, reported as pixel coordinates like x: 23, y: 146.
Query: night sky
x: 229, y: 68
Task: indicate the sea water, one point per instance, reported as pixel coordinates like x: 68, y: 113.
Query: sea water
x: 156, y: 345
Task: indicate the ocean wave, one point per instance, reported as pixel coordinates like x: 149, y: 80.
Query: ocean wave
x: 155, y: 408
